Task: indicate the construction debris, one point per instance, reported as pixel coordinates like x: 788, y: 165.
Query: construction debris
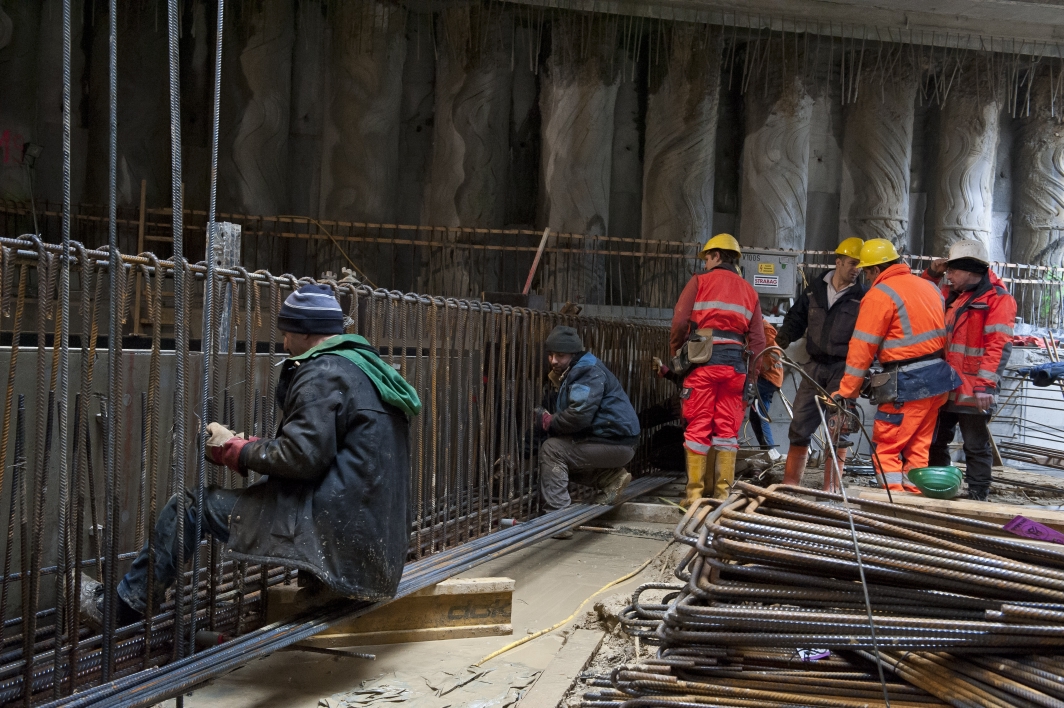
x: 796, y: 597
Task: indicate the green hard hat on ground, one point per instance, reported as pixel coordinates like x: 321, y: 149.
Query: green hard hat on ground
x: 937, y: 482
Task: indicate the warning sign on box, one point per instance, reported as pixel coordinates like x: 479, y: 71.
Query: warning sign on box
x: 766, y: 281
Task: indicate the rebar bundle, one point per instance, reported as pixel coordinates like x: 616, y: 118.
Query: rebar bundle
x: 774, y: 610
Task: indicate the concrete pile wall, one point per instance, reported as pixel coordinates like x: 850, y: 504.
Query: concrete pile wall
x: 494, y: 115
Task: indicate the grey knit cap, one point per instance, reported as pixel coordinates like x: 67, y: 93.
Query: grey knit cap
x: 564, y: 340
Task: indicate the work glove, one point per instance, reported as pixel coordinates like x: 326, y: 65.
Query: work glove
x: 750, y: 392
x: 542, y: 418
x: 223, y: 446
x: 782, y: 341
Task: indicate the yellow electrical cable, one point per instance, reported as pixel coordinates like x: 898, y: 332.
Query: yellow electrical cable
x: 548, y: 630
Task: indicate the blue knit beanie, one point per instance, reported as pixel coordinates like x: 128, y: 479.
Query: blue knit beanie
x: 311, y: 310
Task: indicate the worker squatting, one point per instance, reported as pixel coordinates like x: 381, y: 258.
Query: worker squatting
x: 942, y: 348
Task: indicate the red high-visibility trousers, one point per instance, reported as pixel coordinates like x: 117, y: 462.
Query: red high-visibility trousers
x: 713, y: 408
x: 903, y: 438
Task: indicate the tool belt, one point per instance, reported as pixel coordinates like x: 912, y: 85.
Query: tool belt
x: 698, y: 349
x: 912, y: 380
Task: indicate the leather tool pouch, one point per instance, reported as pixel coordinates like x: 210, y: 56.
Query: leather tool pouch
x: 695, y: 351
x: 883, y: 387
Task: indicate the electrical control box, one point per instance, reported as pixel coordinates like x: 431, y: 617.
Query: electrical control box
x: 773, y: 273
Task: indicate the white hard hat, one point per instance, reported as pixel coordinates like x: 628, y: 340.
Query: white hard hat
x: 969, y: 248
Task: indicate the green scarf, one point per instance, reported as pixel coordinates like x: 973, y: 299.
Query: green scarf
x: 392, y: 387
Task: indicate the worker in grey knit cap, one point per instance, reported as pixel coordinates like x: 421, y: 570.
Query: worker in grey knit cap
x: 591, y: 424
x: 341, y: 450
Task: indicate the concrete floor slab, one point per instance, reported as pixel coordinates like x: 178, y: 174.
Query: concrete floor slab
x: 553, y: 578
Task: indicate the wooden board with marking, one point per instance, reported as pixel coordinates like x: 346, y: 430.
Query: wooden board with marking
x: 453, y: 609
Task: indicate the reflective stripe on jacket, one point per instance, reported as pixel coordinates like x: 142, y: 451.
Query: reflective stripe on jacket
x: 722, y: 300
x: 902, y: 317
x: 979, y: 329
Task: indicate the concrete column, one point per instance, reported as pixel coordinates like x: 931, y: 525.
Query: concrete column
x: 256, y: 109
x: 471, y: 135
x: 525, y: 123
x: 143, y: 111
x: 467, y: 185
x: 877, y: 149
x: 681, y: 127
x: 1038, y: 223
x: 19, y: 25
x: 417, y: 116
x: 578, y: 101
x: 49, y: 127
x: 776, y: 158
x: 364, y: 89
x: 309, y: 57
x: 144, y: 115
x: 968, y: 133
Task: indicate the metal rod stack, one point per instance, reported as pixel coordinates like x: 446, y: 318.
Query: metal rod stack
x: 772, y: 611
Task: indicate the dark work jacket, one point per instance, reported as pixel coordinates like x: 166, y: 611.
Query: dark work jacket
x: 335, y: 502
x: 827, y: 332
x: 591, y: 404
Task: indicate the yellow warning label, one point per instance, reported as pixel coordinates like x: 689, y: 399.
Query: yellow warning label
x: 767, y: 268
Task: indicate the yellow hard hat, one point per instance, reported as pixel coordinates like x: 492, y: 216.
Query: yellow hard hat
x: 724, y: 242
x: 876, y: 251
x: 850, y: 247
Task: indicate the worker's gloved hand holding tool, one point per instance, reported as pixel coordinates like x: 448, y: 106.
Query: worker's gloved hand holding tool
x: 223, y: 446
x: 750, y: 392
x: 542, y: 418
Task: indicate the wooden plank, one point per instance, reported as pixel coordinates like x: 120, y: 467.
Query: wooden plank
x: 459, y: 607
x: 983, y: 511
x: 560, y: 675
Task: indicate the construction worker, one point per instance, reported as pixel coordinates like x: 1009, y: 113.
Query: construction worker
x: 979, y: 316
x: 334, y: 501
x: 768, y: 383
x: 901, y: 321
x: 825, y: 313
x: 592, y: 426
x: 720, y: 308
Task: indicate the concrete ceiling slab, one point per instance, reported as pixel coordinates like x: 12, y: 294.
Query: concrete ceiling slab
x: 1016, y: 26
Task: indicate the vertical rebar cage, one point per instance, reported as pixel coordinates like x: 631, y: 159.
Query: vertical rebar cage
x: 479, y: 369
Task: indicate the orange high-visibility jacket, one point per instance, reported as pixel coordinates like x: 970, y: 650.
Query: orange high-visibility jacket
x: 979, y: 329
x: 902, y: 317
x: 722, y: 300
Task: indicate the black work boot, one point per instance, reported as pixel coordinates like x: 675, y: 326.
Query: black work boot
x: 978, y: 493
x: 91, y: 604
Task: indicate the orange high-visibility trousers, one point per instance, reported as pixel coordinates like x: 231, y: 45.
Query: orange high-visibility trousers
x: 902, y: 437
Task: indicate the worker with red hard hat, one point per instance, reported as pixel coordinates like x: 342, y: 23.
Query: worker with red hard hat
x: 717, y: 316
x: 902, y: 323
x: 980, y: 314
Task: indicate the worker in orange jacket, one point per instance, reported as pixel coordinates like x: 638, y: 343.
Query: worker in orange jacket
x: 720, y: 306
x: 979, y: 317
x: 902, y: 323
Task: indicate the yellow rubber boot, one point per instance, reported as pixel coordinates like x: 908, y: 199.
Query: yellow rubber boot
x: 724, y: 473
x: 696, y: 477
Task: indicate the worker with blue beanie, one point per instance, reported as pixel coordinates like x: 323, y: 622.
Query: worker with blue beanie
x: 342, y: 449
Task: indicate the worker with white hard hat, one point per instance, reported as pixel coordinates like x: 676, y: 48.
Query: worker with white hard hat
x: 980, y: 314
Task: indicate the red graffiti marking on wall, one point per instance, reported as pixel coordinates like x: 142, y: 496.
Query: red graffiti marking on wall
x: 11, y: 147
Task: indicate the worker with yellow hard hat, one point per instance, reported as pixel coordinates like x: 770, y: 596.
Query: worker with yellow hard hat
x: 902, y: 324
x: 824, y: 312
x: 717, y: 315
